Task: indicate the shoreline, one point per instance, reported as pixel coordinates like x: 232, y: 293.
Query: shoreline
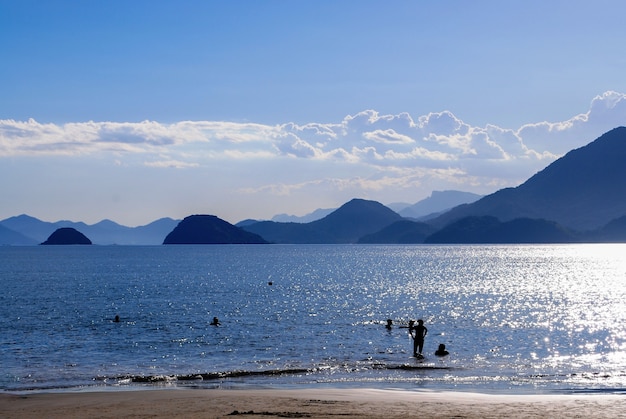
x: 309, y: 402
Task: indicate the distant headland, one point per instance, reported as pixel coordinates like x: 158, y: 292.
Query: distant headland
x: 66, y: 236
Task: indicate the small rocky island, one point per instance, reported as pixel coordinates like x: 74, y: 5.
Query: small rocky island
x: 209, y: 229
x: 67, y: 235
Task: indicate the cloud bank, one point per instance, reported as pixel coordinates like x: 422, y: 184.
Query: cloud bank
x: 361, y: 154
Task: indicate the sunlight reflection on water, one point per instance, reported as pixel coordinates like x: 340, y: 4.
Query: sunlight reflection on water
x: 524, y: 317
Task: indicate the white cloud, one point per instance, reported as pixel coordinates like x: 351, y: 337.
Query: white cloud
x: 171, y: 164
x: 291, y: 145
x: 388, y: 136
x: 420, y: 154
x: 607, y: 111
x: 362, y: 153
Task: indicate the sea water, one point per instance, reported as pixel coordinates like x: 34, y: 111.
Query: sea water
x: 518, y: 318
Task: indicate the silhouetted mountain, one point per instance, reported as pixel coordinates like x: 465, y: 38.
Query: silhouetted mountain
x: 438, y: 202
x: 400, y: 232
x: 488, y: 229
x: 583, y: 190
x: 345, y: 225
x: 13, y: 238
x: 104, y: 232
x: 209, y: 229
x: 66, y: 236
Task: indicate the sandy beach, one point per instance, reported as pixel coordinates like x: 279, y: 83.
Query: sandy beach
x: 307, y: 403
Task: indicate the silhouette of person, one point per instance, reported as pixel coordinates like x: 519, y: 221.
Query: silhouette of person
x: 215, y: 322
x: 389, y: 324
x: 441, y: 350
x: 117, y: 318
x: 418, y: 333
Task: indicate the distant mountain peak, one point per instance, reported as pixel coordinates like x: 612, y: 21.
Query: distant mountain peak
x: 346, y: 224
x: 438, y: 202
x: 361, y: 210
x: 312, y: 216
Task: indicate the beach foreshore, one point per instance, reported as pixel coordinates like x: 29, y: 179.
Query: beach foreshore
x: 306, y: 403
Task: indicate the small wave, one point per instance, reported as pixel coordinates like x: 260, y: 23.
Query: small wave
x: 209, y: 375
x: 409, y: 367
x: 619, y: 390
x: 267, y: 373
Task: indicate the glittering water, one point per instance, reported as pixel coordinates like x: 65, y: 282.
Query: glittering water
x: 514, y: 318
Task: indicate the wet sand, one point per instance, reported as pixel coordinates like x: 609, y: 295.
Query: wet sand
x: 307, y: 403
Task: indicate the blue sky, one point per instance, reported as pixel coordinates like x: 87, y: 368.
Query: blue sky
x: 135, y: 110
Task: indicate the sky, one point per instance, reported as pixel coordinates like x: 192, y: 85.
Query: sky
x: 136, y: 110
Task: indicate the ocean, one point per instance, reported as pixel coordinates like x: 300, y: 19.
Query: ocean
x: 515, y: 318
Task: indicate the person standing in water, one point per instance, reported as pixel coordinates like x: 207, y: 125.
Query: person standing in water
x: 418, y: 333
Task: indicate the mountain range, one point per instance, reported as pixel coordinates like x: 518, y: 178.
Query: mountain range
x: 437, y: 203
x: 579, y: 197
x: 26, y: 230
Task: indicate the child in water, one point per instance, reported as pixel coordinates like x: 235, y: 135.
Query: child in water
x: 441, y: 351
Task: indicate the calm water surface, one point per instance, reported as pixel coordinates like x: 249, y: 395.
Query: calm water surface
x: 514, y: 318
